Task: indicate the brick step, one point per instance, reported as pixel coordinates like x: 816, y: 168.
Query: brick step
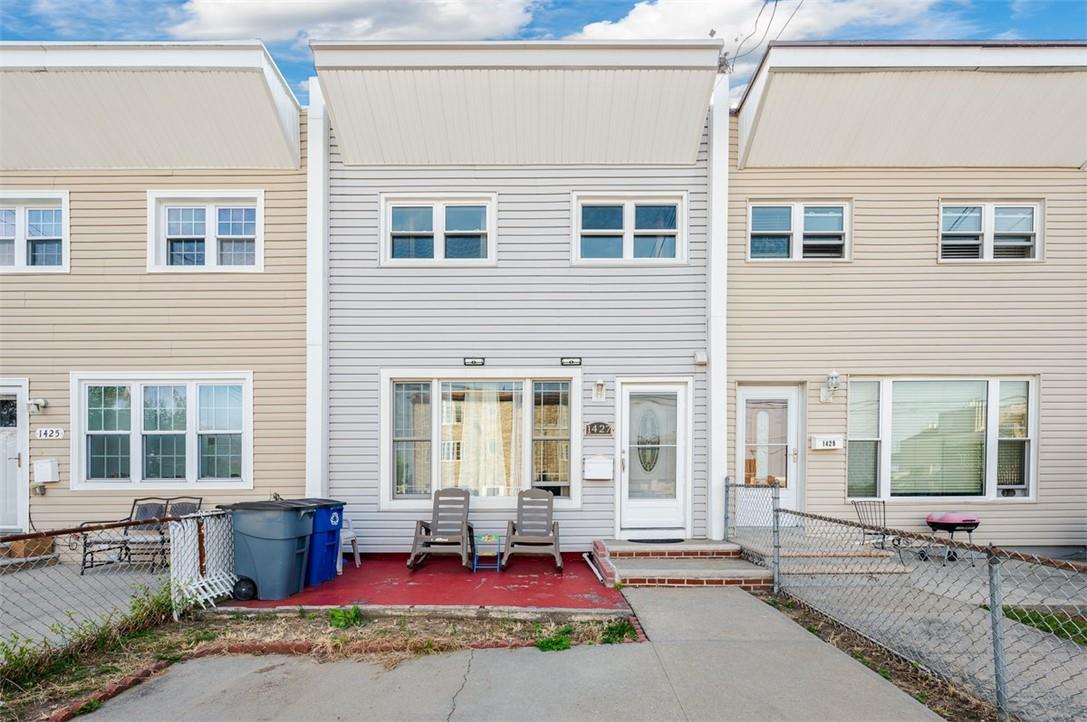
x: 680, y: 572
x: 690, y: 549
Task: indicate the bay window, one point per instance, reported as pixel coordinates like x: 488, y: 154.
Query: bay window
x: 491, y: 433
x: 964, y: 438
x: 161, y: 430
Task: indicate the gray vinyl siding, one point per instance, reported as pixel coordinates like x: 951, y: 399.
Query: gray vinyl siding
x: 528, y: 311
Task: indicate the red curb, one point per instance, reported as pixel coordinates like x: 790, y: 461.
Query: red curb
x: 70, y: 710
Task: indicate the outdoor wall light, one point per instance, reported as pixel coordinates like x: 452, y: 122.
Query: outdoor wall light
x: 35, y: 406
x: 599, y: 390
x: 832, y: 384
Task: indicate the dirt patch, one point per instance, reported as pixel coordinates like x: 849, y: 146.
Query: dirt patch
x: 328, y: 635
x: 943, y: 698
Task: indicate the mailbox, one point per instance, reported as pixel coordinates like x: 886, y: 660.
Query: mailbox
x: 598, y: 468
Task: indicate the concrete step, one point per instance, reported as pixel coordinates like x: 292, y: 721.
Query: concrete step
x: 691, y: 548
x: 680, y: 572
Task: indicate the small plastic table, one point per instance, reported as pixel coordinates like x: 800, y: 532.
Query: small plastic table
x: 487, y: 546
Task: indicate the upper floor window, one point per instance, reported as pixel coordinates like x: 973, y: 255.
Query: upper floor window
x: 205, y: 230
x: 990, y: 231
x: 799, y: 231
x: 629, y: 230
x: 162, y: 431
x: 453, y: 230
x: 33, y: 231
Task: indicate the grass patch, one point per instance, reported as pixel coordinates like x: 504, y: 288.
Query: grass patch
x: 557, y: 641
x: 618, y: 632
x: 1060, y: 624
x: 89, y: 707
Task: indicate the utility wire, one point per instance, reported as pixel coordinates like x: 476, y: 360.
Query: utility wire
x: 763, y: 38
x: 753, y: 31
x: 789, y: 20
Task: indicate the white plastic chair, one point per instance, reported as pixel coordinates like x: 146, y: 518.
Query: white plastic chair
x: 347, y: 534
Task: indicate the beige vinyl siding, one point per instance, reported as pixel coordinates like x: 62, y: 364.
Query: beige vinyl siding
x: 110, y: 314
x: 896, y: 310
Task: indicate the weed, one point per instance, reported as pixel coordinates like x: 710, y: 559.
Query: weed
x: 556, y: 642
x: 886, y: 674
x: 618, y: 631
x: 1060, y: 624
x: 203, y: 635
x: 813, y: 628
x: 345, y: 618
x: 88, y: 707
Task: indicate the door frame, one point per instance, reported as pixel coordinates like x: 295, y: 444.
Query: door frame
x: 21, y: 387
x: 687, y: 504
x: 741, y: 432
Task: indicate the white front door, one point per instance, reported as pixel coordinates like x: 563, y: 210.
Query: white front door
x: 654, y: 444
x: 13, y: 492
x: 767, y: 448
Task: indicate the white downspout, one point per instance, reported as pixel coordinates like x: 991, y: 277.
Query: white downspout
x: 715, y: 315
x: 316, y: 294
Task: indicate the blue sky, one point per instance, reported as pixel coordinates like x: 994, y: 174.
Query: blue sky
x: 286, y: 26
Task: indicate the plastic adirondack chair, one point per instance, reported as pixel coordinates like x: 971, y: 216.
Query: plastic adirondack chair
x: 183, y: 505
x: 535, y: 531
x: 872, y: 513
x: 448, y: 531
x: 348, y: 534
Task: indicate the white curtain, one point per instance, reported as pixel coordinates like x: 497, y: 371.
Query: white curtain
x: 491, y: 439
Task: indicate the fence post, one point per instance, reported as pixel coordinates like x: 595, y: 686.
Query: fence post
x: 727, y: 507
x: 996, y: 619
x: 775, y: 560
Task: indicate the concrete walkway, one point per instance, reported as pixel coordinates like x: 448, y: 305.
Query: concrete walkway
x: 714, y: 654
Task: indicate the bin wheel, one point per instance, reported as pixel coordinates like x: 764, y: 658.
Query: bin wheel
x: 245, y: 589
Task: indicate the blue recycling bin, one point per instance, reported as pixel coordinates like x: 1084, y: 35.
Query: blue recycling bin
x: 324, y: 542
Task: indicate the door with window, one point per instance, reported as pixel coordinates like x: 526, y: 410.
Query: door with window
x: 12, y: 461
x: 653, y: 442
x: 767, y: 449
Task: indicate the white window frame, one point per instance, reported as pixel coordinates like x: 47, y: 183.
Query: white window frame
x: 988, y: 229
x: 628, y: 200
x: 437, y: 204
x: 211, y: 200
x: 992, y: 435
x: 796, y: 229
x: 435, y: 376
x: 79, y: 381
x: 27, y: 200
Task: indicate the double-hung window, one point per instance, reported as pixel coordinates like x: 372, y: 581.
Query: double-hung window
x: 205, y: 231
x: 646, y: 230
x: 990, y: 231
x: 798, y: 231
x: 967, y: 438
x: 34, y: 231
x: 162, y: 430
x: 493, y: 434
x: 454, y: 230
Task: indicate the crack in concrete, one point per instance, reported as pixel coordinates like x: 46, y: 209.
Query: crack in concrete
x: 463, y: 682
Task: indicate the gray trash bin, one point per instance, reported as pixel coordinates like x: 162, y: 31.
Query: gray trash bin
x: 271, y: 541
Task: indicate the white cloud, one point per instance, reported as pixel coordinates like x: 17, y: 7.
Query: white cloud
x: 300, y: 20
x: 816, y: 19
x: 116, y: 19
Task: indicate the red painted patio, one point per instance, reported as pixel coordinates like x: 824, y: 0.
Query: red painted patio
x: 384, y: 579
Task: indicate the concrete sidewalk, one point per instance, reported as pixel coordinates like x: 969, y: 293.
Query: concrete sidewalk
x: 713, y: 654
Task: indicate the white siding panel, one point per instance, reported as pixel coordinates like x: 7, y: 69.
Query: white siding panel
x: 528, y: 311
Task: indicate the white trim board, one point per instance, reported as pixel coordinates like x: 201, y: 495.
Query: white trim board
x: 317, y: 158
x: 716, y: 316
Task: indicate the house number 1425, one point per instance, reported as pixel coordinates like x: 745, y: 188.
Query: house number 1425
x: 50, y: 432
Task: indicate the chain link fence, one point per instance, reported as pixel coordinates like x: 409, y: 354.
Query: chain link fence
x: 71, y: 588
x: 1009, y: 627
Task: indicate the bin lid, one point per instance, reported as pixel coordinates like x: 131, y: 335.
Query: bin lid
x: 266, y: 505
x: 313, y: 501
